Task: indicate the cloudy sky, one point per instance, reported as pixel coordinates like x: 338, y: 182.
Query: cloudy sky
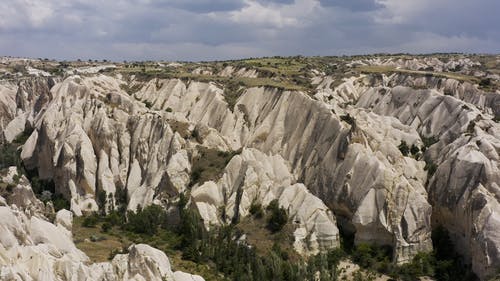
x: 224, y: 29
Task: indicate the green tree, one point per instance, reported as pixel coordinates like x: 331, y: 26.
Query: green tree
x: 146, y: 220
x: 414, y: 149
x: 403, y: 147
x: 278, y: 216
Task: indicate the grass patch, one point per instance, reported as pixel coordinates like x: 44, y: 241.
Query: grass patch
x: 263, y: 239
x: 209, y: 164
x: 369, y: 69
x: 180, y: 127
x: 100, y: 250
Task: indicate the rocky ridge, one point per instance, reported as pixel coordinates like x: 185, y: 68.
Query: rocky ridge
x: 336, y: 151
x: 33, y: 248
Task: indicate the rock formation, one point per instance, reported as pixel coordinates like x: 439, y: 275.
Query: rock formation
x: 32, y: 248
x: 255, y: 178
x: 332, y: 156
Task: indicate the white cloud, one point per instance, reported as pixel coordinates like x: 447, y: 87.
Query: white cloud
x: 428, y: 42
x: 20, y: 13
x: 223, y: 29
x: 401, y: 11
x: 273, y: 14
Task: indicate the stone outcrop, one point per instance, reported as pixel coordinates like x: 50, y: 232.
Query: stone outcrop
x: 20, y: 103
x: 32, y: 248
x: 255, y: 178
x: 331, y: 157
x: 86, y: 146
x: 94, y: 137
x: 464, y: 189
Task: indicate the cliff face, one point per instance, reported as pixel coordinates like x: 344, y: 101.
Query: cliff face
x: 33, y: 248
x: 331, y: 157
x: 464, y: 189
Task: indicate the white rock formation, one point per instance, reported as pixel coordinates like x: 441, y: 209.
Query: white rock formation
x: 92, y: 133
x: 32, y: 248
x: 341, y: 144
x: 465, y: 188
x: 255, y: 178
x: 86, y: 146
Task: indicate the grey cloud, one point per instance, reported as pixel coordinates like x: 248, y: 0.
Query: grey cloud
x: 353, y: 5
x: 200, y: 6
x: 203, y: 29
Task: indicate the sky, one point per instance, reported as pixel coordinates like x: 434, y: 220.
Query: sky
x: 197, y: 30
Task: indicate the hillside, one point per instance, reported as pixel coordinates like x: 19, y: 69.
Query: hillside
x: 279, y: 168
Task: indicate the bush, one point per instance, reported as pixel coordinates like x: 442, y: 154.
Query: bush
x: 115, y: 218
x: 449, y: 264
x: 209, y: 164
x: 60, y: 202
x: 256, y: 210
x: 16, y: 178
x: 39, y: 186
x: 121, y: 199
x: 232, y: 91
x: 278, y: 216
x: 485, y: 83
x: 9, y: 156
x: 414, y: 150
x: 147, y: 220
x: 90, y: 221
x: 403, y: 147
x: 348, y: 119
x: 428, y: 142
x: 371, y: 256
x: 101, y: 200
x: 115, y: 252
x: 430, y: 167
x: 105, y: 227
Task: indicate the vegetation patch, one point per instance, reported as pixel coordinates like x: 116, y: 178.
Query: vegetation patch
x: 209, y: 164
x: 220, y: 254
x: 278, y: 216
x: 232, y: 91
x: 403, y: 147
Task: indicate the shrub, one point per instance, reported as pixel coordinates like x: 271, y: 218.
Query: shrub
x: 232, y: 91
x: 278, y: 216
x: 449, y: 264
x: 403, y: 147
x: 9, y: 156
x: 428, y: 142
x: 10, y: 187
x: 121, y: 199
x: 485, y: 83
x: 256, y: 210
x: 146, y: 220
x: 101, y: 200
x: 105, y: 227
x: 209, y: 164
x: 348, y: 119
x: 414, y: 150
x: 16, y: 178
x: 39, y: 186
x: 60, y: 202
x: 191, y: 228
x: 90, y: 221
